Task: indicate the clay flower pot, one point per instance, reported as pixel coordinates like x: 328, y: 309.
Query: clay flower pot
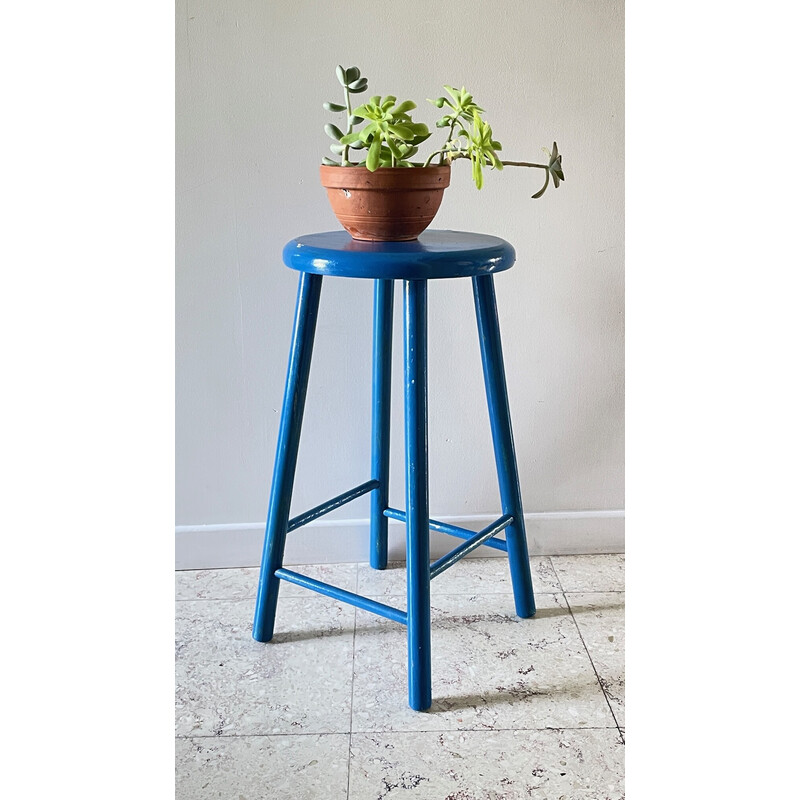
x: 392, y: 204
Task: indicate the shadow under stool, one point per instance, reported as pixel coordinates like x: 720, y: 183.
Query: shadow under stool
x: 435, y: 255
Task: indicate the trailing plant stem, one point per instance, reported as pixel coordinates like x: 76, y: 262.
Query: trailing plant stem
x: 522, y: 164
x: 346, y: 151
x: 449, y: 139
x: 455, y: 154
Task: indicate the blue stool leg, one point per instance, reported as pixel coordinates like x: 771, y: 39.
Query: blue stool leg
x: 417, y: 520
x: 497, y: 396
x: 305, y: 323
x: 381, y: 408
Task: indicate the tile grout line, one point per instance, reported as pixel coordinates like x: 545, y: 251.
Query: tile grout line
x: 399, y: 732
x: 352, y: 689
x: 586, y: 648
x: 591, y: 661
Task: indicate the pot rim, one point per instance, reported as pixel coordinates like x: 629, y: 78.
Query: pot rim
x: 385, y: 178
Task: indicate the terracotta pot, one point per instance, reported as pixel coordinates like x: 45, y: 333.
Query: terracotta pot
x: 392, y: 204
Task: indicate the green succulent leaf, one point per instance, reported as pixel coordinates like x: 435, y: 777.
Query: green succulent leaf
x: 356, y: 87
x: 352, y: 74
x: 358, y: 145
x: 494, y: 160
x: 338, y: 149
x: 374, y: 154
x: 333, y: 131
x: 404, y: 132
x: 477, y: 173
x: 554, y: 167
x: 341, y: 76
x: 329, y: 162
x: 335, y: 107
x: 406, y: 105
x: 355, y: 120
x: 395, y: 150
x: 349, y: 138
x: 439, y: 101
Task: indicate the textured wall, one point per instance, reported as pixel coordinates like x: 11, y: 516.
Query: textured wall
x: 251, y: 78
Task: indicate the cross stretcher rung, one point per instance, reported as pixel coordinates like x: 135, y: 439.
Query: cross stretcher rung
x: 342, y: 594
x: 450, y: 530
x: 471, y: 544
x: 337, y: 501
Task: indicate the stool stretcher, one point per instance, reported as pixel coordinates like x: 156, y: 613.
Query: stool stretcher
x: 450, y: 530
x: 337, y: 501
x: 473, y: 543
x: 357, y: 600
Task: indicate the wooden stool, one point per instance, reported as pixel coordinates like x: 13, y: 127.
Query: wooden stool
x: 436, y: 254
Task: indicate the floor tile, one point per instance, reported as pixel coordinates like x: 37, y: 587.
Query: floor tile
x: 262, y: 767
x: 491, y: 669
x: 235, y: 584
x: 596, y: 573
x: 227, y: 683
x: 483, y: 765
x: 601, y: 621
x: 468, y: 576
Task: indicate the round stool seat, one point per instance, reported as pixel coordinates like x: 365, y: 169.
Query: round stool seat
x: 436, y: 254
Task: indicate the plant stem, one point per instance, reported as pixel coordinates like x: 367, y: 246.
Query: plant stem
x: 346, y: 151
x: 431, y: 157
x: 454, y: 154
x: 449, y: 139
x: 528, y: 164
x: 522, y: 164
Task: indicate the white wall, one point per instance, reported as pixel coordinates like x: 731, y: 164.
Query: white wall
x: 251, y: 79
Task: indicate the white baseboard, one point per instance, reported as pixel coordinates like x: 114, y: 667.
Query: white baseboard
x: 347, y: 540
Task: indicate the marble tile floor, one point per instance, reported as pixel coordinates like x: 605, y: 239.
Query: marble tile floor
x: 522, y: 708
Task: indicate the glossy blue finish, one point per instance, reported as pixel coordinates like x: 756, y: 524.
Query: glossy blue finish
x: 450, y: 530
x: 326, y: 508
x: 381, y: 408
x: 436, y: 254
x: 505, y: 457
x: 305, y: 323
x: 418, y: 576
x: 473, y: 543
x: 390, y: 612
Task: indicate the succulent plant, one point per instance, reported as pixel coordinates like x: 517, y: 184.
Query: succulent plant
x: 392, y: 138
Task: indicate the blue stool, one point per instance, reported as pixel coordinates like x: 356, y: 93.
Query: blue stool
x: 436, y: 254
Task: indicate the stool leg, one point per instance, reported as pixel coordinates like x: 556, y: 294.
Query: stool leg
x: 381, y: 408
x: 418, y: 585
x: 305, y: 323
x: 497, y: 397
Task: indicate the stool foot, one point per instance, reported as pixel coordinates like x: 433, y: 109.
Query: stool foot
x: 381, y: 408
x: 418, y: 587
x: 305, y: 323
x: 503, y: 440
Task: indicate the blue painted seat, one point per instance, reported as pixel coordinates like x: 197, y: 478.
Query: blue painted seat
x: 436, y: 254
